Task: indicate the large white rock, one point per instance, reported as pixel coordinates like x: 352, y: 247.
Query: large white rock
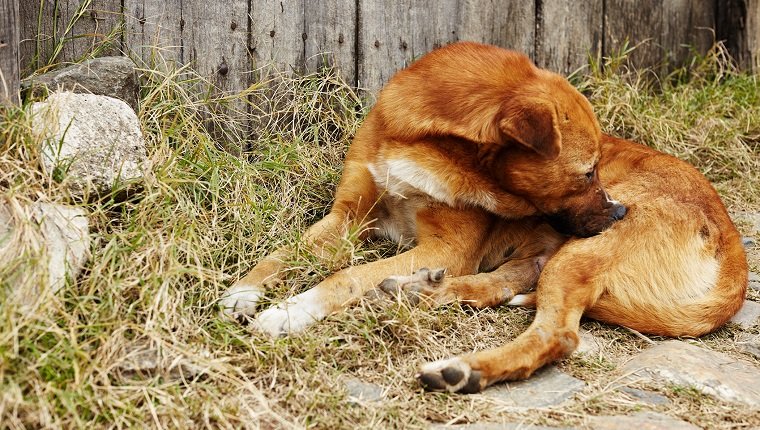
x: 91, y: 142
x: 42, y: 244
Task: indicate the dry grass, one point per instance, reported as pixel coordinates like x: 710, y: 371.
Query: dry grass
x: 136, y: 341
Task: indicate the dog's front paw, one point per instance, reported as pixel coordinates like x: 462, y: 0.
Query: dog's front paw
x: 452, y: 375
x: 291, y: 316
x: 242, y: 298
x: 422, y: 284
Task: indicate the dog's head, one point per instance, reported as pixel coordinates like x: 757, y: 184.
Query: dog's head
x: 551, y: 154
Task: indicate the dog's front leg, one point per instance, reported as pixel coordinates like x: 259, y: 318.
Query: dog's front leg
x: 350, y: 284
x: 354, y: 199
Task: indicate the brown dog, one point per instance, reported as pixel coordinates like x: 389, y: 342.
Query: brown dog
x: 462, y: 152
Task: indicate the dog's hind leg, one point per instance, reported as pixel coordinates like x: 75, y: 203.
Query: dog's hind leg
x: 564, y: 293
x: 431, y: 288
x: 529, y: 245
x: 354, y: 200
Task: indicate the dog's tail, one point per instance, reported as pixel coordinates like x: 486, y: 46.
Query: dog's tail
x: 727, y: 296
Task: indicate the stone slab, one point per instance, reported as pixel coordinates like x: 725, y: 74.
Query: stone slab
x: 495, y: 426
x: 548, y: 387
x: 754, y: 281
x: 363, y: 391
x: 712, y: 373
x: 748, y: 315
x: 639, y: 421
x: 749, y: 343
x: 644, y: 396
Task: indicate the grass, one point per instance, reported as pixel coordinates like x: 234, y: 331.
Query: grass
x: 136, y: 341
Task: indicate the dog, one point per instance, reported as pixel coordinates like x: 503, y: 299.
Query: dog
x: 499, y: 173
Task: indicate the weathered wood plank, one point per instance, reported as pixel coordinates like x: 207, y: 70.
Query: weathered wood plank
x: 66, y: 31
x: 9, y: 53
x: 640, y: 23
x: 330, y: 29
x: 154, y: 30
x: 738, y: 25
x: 686, y: 25
x: 277, y: 29
x: 391, y: 37
x: 753, y: 34
x: 567, y: 31
x: 38, y: 33
x: 509, y: 24
x: 95, y: 30
x: 215, y: 42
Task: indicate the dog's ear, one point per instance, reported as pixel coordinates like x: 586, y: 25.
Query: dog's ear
x: 532, y: 122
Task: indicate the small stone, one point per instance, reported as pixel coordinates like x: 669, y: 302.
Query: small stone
x: 712, y: 373
x: 754, y: 281
x: 495, y: 426
x: 748, y: 242
x: 54, y: 241
x: 749, y: 343
x: 748, y: 315
x: 363, y: 391
x: 639, y: 421
x: 144, y: 360
x: 547, y: 387
x: 89, y: 142
x: 643, y: 396
x: 106, y: 76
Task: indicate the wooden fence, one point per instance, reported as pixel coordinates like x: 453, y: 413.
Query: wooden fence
x: 368, y: 40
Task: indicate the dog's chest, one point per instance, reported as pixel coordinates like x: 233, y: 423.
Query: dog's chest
x: 404, y: 188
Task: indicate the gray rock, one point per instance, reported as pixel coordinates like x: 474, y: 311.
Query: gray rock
x: 106, y: 76
x: 90, y: 142
x: 53, y: 239
x: 749, y: 343
x: 748, y: 315
x: 748, y: 242
x: 548, y: 387
x: 144, y: 359
x: 495, y: 426
x: 754, y: 281
x: 643, y: 396
x: 712, y: 373
x: 639, y: 421
x: 363, y: 391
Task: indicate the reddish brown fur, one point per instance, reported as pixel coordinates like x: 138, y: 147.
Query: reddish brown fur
x: 464, y: 150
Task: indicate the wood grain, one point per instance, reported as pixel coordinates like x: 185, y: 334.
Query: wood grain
x: 154, y: 30
x: 277, y: 34
x: 687, y: 28
x: 637, y: 23
x: 567, y: 32
x: 330, y: 29
x: 9, y: 54
x: 67, y: 31
x: 738, y: 26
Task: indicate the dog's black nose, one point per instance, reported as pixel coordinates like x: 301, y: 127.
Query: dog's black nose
x: 618, y: 211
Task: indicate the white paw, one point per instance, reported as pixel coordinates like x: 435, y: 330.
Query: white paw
x: 241, y: 299
x: 452, y: 375
x: 291, y: 316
